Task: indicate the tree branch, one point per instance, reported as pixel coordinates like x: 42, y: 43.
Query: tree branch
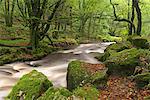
x: 121, y: 19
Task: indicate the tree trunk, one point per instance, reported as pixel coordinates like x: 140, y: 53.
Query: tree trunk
x: 9, y: 12
x: 132, y: 19
x: 139, y: 17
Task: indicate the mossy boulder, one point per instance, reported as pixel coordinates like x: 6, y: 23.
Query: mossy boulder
x: 56, y: 94
x: 86, y: 93
x: 139, y: 42
x: 119, y: 46
x: 104, y: 56
x: 80, y: 73
x: 30, y: 86
x: 142, y: 79
x: 114, y: 48
x: 123, y: 62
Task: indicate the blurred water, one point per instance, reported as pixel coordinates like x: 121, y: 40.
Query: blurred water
x: 54, y: 66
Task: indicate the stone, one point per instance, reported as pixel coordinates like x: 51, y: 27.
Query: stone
x: 80, y: 73
x: 30, y: 86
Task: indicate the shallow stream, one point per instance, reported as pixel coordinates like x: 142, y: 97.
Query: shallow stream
x: 54, y: 66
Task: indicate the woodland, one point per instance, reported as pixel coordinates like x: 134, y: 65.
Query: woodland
x: 74, y: 50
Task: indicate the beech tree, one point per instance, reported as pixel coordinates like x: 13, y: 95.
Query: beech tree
x: 34, y: 13
x: 132, y: 27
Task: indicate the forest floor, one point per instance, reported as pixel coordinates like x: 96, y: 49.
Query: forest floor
x: 122, y: 88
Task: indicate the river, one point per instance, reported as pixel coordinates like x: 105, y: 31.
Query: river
x: 54, y: 66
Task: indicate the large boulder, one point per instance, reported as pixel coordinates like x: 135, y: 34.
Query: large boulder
x: 56, y: 94
x: 124, y: 62
x: 119, y: 46
x: 80, y: 73
x: 139, y: 42
x: 30, y: 86
x: 86, y: 93
x: 104, y: 56
x: 112, y: 49
x: 142, y: 79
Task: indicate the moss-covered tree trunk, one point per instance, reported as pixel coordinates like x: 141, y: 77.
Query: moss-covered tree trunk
x: 34, y: 39
x: 33, y: 11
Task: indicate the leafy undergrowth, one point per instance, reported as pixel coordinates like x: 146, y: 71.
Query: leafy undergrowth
x: 122, y: 88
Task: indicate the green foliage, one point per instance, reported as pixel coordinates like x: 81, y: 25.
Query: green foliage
x: 56, y: 94
x: 65, y: 40
x: 79, y: 75
x: 86, y: 93
x: 5, y: 51
x: 109, y: 38
x: 142, y: 79
x: 30, y: 86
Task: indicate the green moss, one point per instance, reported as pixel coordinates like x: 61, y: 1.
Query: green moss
x: 139, y: 42
x: 56, y: 94
x: 108, y: 38
x: 14, y: 42
x: 103, y: 57
x: 75, y: 75
x: 123, y: 62
x: 99, y: 79
x: 41, y: 51
x: 142, y: 79
x: 78, y: 75
x: 87, y: 93
x: 30, y: 86
x: 112, y: 49
x: 8, y: 55
x: 119, y: 46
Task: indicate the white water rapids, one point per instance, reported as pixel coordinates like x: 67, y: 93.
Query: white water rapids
x: 54, y: 66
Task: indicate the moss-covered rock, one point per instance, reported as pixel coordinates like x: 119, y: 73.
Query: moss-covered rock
x: 139, y: 42
x: 112, y: 49
x: 56, y: 94
x: 10, y: 54
x: 103, y: 57
x: 86, y: 93
x: 30, y: 87
x: 123, y: 62
x: 142, y: 79
x: 80, y: 73
x: 145, y: 59
x: 119, y: 46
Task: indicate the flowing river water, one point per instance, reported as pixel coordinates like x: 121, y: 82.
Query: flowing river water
x: 54, y: 66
